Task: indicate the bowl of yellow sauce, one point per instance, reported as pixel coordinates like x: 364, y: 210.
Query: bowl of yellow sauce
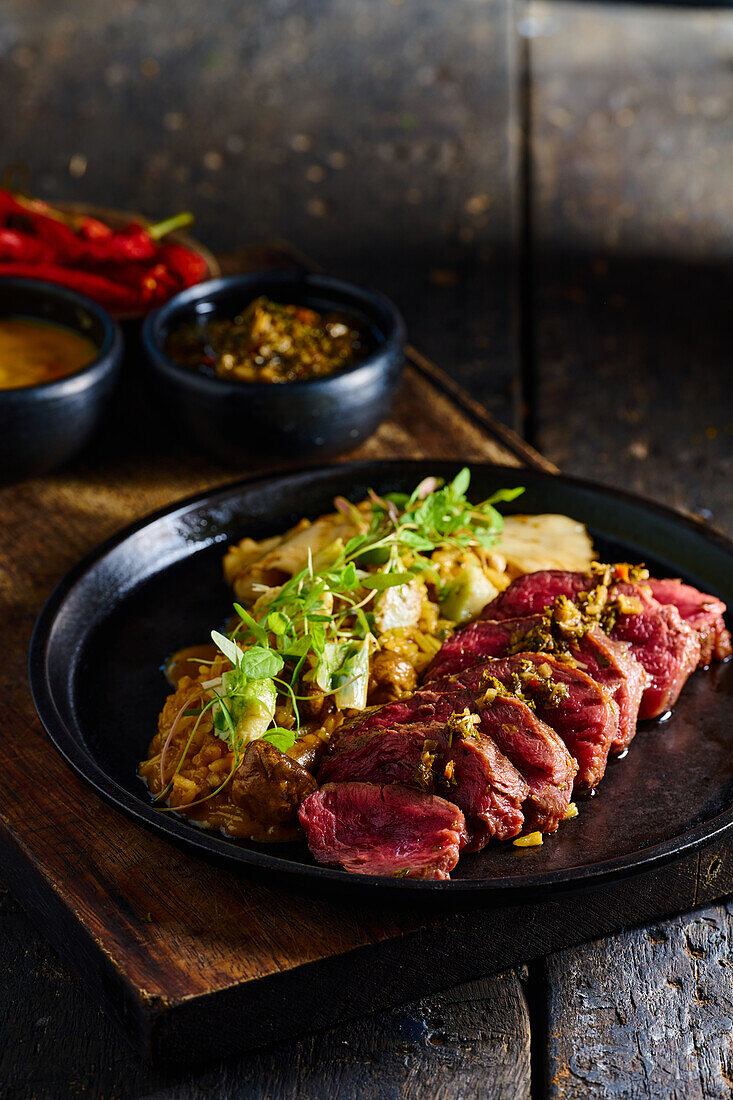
x: 60, y: 356
x: 33, y: 352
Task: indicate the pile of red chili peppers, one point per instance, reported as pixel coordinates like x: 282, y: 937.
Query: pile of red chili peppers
x: 130, y: 270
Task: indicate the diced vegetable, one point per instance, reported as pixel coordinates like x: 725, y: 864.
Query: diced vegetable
x: 467, y: 595
x: 398, y: 606
x: 251, y: 707
x: 354, y: 677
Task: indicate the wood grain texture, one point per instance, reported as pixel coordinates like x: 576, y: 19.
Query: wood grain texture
x: 172, y: 944
x: 628, y: 113
x: 141, y: 951
x: 647, y: 1014
x: 54, y: 1042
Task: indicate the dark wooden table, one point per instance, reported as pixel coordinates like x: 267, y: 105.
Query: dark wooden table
x: 545, y: 190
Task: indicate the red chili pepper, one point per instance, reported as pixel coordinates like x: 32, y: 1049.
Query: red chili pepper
x: 133, y: 243
x: 183, y: 262
x: 158, y: 284
x: 15, y: 245
x: 126, y: 269
x: 66, y: 246
x: 101, y: 289
x: 91, y: 229
x: 127, y: 274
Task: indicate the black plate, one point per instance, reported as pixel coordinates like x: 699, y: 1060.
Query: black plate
x: 100, y: 640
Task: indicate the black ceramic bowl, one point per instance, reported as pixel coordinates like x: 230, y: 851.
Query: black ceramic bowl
x: 43, y: 426
x: 319, y: 416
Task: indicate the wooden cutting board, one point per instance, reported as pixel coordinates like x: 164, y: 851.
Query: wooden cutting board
x: 191, y: 959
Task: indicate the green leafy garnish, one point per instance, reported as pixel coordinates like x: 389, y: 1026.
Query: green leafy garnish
x: 259, y: 663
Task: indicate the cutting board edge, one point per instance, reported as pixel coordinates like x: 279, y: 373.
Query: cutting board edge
x: 184, y: 1032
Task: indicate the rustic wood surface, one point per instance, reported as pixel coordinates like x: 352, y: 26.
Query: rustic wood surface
x: 631, y: 153
x: 376, y: 135
x: 56, y: 1043
x: 669, y: 1030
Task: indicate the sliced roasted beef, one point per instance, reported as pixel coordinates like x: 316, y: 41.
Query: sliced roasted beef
x: 428, y: 753
x: 539, y: 756
x: 533, y: 592
x: 426, y: 711
x: 704, y: 613
x: 666, y: 647
x: 404, y: 754
x: 533, y: 747
x: 477, y: 641
x: 576, y: 706
x: 383, y: 830
x: 610, y: 663
x: 445, y: 717
x: 486, y: 785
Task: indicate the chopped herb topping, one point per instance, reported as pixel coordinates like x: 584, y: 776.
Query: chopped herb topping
x: 493, y: 689
x: 530, y: 684
x: 462, y: 725
x: 569, y: 620
x: 621, y: 571
x: 424, y: 770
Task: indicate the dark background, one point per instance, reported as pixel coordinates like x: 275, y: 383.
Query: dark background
x: 374, y: 135
x: 545, y: 190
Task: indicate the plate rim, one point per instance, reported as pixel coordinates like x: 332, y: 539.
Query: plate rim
x: 211, y: 844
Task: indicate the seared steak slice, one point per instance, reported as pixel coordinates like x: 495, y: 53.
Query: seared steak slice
x: 477, y: 641
x: 539, y: 756
x: 666, y: 647
x: 528, y: 744
x: 431, y: 755
x: 533, y: 747
x: 427, y: 712
x: 533, y: 592
x: 705, y: 614
x: 389, y: 830
x: 610, y: 663
x: 486, y: 786
x: 405, y: 755
x: 568, y: 700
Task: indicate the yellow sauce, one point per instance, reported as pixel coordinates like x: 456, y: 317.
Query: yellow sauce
x: 32, y: 352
